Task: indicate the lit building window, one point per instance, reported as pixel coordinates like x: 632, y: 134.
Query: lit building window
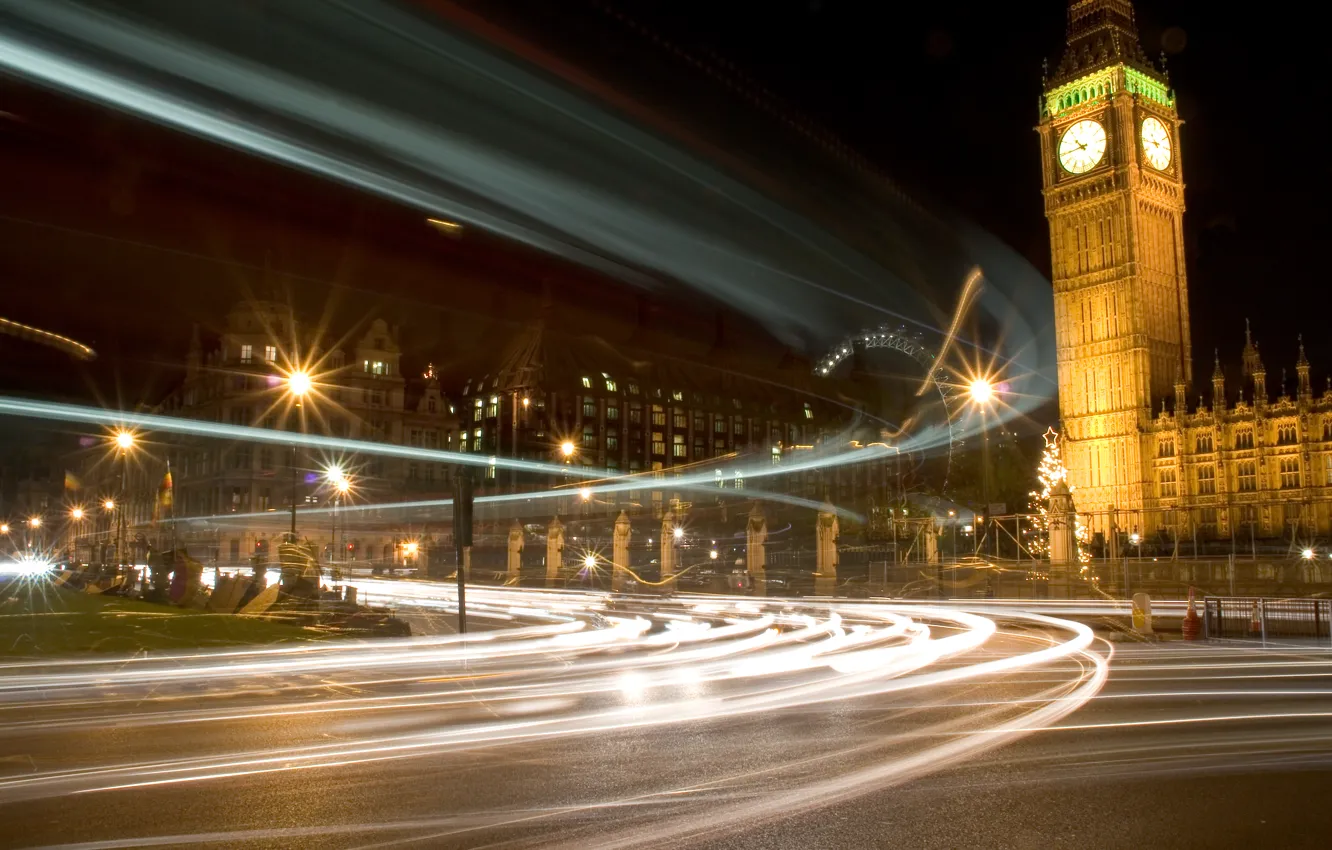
x: 1205, y: 444
x: 589, y: 437
x: 678, y: 447
x: 1244, y: 439
x: 677, y: 396
x: 612, y: 443
x: 610, y: 382
x: 270, y: 353
x: 1327, y: 469
x: 776, y: 454
x: 678, y: 419
x: 1290, y: 473
x: 633, y: 389
x: 1207, y: 480
x: 493, y: 410
x: 658, y: 415
x: 1286, y: 435
x: 1248, y: 477
x: 658, y: 443
x: 587, y: 382
x: 809, y: 414
x: 1165, y: 448
x: 247, y: 353
x: 612, y: 409
x: 589, y: 407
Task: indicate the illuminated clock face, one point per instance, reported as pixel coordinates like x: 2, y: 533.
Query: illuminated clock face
x: 1082, y: 146
x: 1156, y: 143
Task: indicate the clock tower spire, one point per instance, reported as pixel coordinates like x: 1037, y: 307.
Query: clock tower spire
x: 1114, y: 198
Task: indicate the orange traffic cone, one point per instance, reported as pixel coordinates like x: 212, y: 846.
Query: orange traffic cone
x: 1192, y: 624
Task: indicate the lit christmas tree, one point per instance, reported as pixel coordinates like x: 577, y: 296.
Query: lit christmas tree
x: 1049, y: 473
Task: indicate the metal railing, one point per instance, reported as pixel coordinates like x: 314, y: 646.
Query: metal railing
x: 1259, y: 618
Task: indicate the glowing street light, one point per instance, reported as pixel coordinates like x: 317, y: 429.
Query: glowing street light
x: 678, y: 533
x: 109, y: 505
x: 4, y: 528
x: 590, y: 561
x: 980, y: 390
x: 76, y: 513
x: 299, y: 383
x: 412, y: 547
x: 342, y: 485
x: 1308, y: 554
x: 585, y: 493
x: 713, y: 554
x: 124, y: 440
x: 35, y: 522
x: 567, y: 448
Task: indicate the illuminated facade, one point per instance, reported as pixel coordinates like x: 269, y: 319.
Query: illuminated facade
x: 1114, y: 197
x: 645, y: 413
x: 359, y: 392
x: 624, y: 413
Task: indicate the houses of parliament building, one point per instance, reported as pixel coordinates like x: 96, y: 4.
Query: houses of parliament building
x: 1153, y: 449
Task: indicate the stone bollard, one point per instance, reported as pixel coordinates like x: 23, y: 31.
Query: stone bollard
x: 1142, y: 614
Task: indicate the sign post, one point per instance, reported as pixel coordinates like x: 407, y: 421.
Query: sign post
x: 462, y: 537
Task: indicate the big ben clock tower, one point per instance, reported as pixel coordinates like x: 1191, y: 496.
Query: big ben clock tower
x: 1114, y: 197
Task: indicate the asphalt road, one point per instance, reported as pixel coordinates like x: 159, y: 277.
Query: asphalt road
x: 793, y: 725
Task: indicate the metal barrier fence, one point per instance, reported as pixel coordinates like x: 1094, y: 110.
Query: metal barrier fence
x: 1260, y: 618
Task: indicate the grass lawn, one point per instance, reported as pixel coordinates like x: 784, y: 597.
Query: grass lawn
x: 39, y: 618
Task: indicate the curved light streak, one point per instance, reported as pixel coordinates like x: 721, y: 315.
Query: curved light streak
x: 563, y: 671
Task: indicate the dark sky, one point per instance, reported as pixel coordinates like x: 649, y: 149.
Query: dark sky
x: 943, y: 96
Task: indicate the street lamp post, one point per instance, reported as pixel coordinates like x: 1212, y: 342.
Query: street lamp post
x: 341, y: 486
x: 981, y: 391
x: 76, y: 518
x: 34, y: 523
x: 952, y: 516
x: 299, y: 384
x: 124, y: 444
x: 109, y: 507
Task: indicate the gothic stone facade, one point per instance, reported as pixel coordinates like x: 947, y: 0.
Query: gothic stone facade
x: 1114, y: 197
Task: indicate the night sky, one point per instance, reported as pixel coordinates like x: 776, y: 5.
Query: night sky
x: 945, y: 96
x: 942, y: 96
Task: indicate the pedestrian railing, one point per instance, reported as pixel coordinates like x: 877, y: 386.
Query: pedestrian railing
x: 1260, y: 618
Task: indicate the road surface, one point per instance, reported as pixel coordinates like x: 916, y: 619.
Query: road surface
x: 586, y: 721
